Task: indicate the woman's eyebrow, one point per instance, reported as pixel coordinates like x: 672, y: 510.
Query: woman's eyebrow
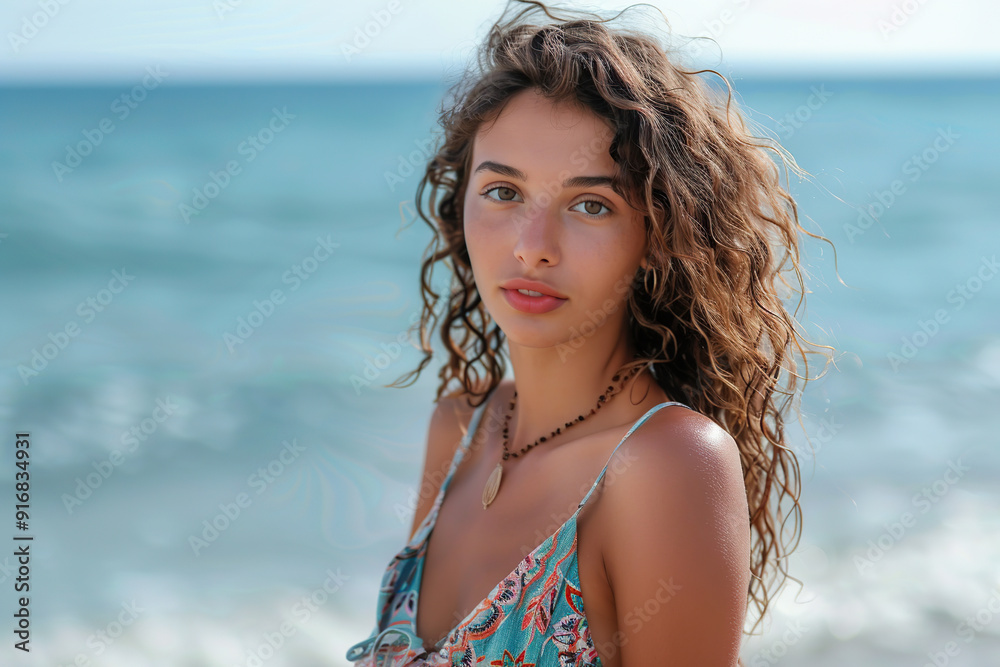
x: 513, y: 172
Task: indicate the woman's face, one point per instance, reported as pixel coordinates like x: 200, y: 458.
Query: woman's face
x: 526, y: 218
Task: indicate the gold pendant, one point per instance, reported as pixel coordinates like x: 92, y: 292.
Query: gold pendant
x: 492, y: 485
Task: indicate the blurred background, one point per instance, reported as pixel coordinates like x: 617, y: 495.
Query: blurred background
x: 208, y: 252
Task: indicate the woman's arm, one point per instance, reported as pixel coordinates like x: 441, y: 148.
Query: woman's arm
x: 677, y: 553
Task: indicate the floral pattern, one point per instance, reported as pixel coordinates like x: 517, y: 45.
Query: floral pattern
x: 533, y: 618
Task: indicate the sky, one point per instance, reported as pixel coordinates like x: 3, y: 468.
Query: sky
x: 112, y: 40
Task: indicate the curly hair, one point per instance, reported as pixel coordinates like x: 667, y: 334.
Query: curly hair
x: 720, y: 226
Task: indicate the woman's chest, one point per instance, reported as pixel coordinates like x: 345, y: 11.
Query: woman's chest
x: 471, y: 551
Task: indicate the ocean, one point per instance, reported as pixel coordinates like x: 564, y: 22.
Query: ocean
x: 198, y: 277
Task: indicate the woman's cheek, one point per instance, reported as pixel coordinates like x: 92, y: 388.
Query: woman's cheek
x: 478, y: 235
x: 485, y: 226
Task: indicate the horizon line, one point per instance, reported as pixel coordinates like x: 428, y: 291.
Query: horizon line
x: 312, y: 72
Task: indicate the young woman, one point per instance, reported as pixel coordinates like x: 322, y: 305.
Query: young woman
x: 609, y: 225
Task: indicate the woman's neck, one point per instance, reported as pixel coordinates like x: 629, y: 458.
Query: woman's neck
x: 553, y: 389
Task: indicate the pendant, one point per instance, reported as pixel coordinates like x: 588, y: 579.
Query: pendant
x: 492, y: 485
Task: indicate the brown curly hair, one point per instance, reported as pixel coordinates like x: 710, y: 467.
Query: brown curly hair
x: 716, y: 217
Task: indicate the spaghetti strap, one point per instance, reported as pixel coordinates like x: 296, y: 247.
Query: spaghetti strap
x: 477, y: 416
x: 636, y: 425
x: 410, y: 552
x: 484, y: 630
x: 466, y: 439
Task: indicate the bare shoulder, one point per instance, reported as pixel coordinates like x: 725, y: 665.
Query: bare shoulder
x: 676, y: 435
x: 449, y: 420
x: 680, y: 459
x: 448, y: 424
x: 681, y: 538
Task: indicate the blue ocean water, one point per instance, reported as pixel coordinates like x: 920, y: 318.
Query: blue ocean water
x: 195, y: 281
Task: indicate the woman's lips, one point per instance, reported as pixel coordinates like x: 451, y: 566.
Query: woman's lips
x: 531, y: 304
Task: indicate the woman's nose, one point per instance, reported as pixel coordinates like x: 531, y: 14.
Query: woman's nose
x: 537, y: 234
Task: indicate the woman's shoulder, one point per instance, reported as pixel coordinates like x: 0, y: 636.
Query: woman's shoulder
x: 682, y: 443
x: 683, y: 470
x: 459, y: 403
x: 449, y: 422
x: 451, y: 415
x: 453, y: 412
x: 450, y: 419
x: 681, y: 529
x: 444, y: 433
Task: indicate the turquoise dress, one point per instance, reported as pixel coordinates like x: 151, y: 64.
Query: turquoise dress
x: 533, y: 617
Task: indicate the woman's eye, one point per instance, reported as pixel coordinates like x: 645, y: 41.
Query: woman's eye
x: 592, y: 207
x: 505, y: 193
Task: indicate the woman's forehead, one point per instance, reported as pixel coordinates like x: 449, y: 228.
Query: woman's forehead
x: 530, y: 110
x: 536, y: 135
